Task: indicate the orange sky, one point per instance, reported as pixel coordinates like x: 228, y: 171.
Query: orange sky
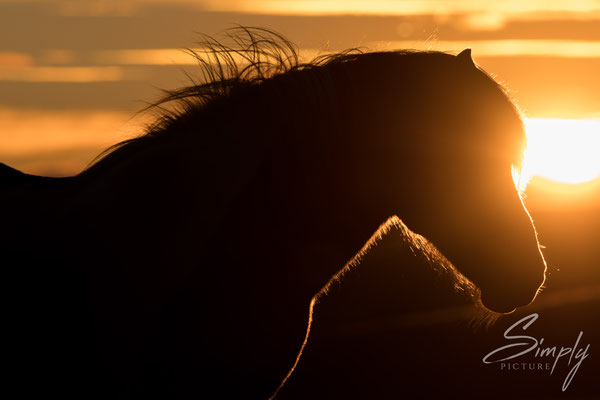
x: 72, y: 73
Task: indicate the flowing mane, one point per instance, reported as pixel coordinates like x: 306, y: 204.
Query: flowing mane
x: 256, y: 57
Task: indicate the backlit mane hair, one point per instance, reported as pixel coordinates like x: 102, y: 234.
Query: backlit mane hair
x: 253, y: 57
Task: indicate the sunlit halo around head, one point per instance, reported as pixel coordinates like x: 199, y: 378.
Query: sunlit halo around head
x: 564, y: 150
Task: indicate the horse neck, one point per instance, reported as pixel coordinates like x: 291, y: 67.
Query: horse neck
x: 326, y: 208
x: 335, y: 178
x: 34, y: 207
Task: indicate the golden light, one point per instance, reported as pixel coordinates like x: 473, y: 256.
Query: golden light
x: 564, y: 150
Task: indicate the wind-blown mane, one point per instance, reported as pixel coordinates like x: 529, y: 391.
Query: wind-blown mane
x: 254, y: 57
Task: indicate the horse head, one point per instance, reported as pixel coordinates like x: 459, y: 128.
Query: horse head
x: 446, y: 148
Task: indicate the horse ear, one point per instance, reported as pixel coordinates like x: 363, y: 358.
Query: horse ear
x: 465, y: 56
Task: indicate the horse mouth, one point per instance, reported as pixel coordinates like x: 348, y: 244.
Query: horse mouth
x: 500, y: 305
x: 506, y: 301
x: 498, y: 309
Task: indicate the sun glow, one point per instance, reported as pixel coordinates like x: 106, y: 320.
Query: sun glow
x: 564, y: 150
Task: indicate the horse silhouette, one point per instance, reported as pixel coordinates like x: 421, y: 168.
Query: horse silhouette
x: 188, y: 260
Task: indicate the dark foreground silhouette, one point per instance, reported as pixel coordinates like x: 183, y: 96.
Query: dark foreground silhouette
x: 186, y: 261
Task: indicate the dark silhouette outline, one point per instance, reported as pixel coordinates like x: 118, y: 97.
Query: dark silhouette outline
x: 209, y: 237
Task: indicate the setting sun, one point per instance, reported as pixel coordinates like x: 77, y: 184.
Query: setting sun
x: 565, y: 150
